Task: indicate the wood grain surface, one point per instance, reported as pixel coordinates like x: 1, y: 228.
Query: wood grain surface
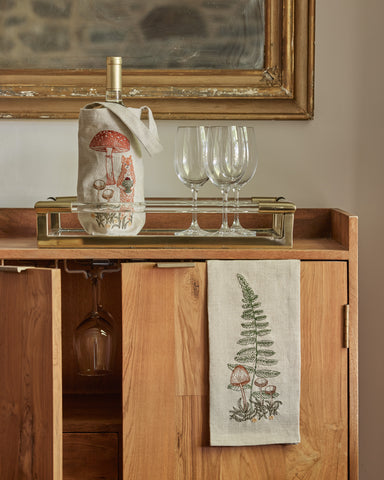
x: 30, y: 373
x: 165, y: 405
x: 165, y: 359
x: 90, y: 456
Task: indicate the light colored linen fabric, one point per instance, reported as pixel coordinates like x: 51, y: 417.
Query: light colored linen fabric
x: 111, y: 166
x: 254, y: 340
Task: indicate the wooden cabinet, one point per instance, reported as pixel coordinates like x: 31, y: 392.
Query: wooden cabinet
x: 165, y: 380
x: 150, y: 419
x: 91, y: 456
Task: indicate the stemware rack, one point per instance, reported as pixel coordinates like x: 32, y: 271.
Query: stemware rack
x: 271, y: 218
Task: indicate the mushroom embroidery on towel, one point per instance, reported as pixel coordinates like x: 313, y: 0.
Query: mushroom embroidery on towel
x: 252, y: 363
x: 110, y: 143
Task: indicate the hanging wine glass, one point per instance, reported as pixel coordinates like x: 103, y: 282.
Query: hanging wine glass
x: 225, y: 164
x: 190, y: 150
x: 94, y: 339
x: 249, y: 172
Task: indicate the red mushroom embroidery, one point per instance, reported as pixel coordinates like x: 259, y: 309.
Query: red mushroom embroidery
x: 109, y: 142
x: 239, y: 378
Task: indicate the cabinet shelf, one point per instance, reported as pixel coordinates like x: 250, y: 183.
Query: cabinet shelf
x: 91, y: 413
x: 317, y: 233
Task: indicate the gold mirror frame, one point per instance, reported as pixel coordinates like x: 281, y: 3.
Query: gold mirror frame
x: 282, y: 90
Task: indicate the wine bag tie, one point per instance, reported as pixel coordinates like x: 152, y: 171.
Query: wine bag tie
x: 148, y: 136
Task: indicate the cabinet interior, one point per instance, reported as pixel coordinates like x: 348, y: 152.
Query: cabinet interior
x: 90, y: 404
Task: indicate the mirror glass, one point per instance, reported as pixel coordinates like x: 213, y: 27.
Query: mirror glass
x: 148, y: 34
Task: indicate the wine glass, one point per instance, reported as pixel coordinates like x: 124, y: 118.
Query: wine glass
x: 94, y: 340
x: 249, y: 172
x: 225, y: 164
x: 190, y: 148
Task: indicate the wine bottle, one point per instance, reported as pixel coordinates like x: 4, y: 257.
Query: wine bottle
x: 111, y: 170
x: 114, y: 80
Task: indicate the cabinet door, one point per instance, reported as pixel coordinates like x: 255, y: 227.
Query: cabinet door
x: 30, y: 373
x: 165, y: 381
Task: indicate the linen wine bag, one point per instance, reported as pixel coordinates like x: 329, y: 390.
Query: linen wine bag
x: 111, y: 167
x: 254, y: 349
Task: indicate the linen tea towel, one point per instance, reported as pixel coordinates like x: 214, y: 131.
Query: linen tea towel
x: 111, y: 167
x: 254, y: 350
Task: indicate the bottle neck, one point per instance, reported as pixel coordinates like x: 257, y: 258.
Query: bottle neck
x: 114, y: 80
x: 113, y: 96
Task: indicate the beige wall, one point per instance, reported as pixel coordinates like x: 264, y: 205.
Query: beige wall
x: 369, y: 192
x: 333, y: 161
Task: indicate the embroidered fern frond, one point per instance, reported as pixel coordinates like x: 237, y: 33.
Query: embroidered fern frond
x: 253, y: 362
x: 246, y: 341
x: 255, y: 327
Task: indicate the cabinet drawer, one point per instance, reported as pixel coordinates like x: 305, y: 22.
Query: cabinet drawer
x: 90, y: 456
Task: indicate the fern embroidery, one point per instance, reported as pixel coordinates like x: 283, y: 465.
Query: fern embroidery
x: 253, y: 362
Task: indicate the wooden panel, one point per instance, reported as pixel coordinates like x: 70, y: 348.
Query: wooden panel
x: 323, y: 451
x: 149, y: 382
x: 310, y: 223
x: 353, y: 362
x: 191, y: 335
x: 324, y: 387
x: 17, y: 222
x: 91, y: 456
x: 30, y: 369
x: 303, y: 249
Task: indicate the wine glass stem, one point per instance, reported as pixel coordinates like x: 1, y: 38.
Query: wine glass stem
x: 95, y: 293
x: 236, y: 221
x: 224, y: 223
x: 194, y: 207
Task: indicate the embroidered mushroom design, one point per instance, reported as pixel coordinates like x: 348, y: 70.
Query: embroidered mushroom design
x: 261, y: 382
x: 255, y: 358
x: 98, y: 185
x: 270, y: 390
x: 273, y: 406
x: 239, y: 378
x: 110, y: 143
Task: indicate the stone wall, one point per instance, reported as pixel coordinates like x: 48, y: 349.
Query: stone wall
x: 146, y: 33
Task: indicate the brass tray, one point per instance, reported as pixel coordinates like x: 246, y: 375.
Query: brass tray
x: 271, y: 218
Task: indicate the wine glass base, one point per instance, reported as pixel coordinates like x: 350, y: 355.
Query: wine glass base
x: 192, y: 232
x: 222, y: 232
x: 95, y: 373
x: 241, y: 231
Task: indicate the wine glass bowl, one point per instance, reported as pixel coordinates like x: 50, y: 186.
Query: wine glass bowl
x: 94, y: 340
x: 190, y: 149
x: 251, y: 161
x: 225, y: 163
x: 94, y: 345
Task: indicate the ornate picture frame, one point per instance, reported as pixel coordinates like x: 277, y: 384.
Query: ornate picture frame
x: 283, y: 89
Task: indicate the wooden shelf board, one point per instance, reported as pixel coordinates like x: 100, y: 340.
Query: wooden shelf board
x: 92, y: 413
x: 303, y: 248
